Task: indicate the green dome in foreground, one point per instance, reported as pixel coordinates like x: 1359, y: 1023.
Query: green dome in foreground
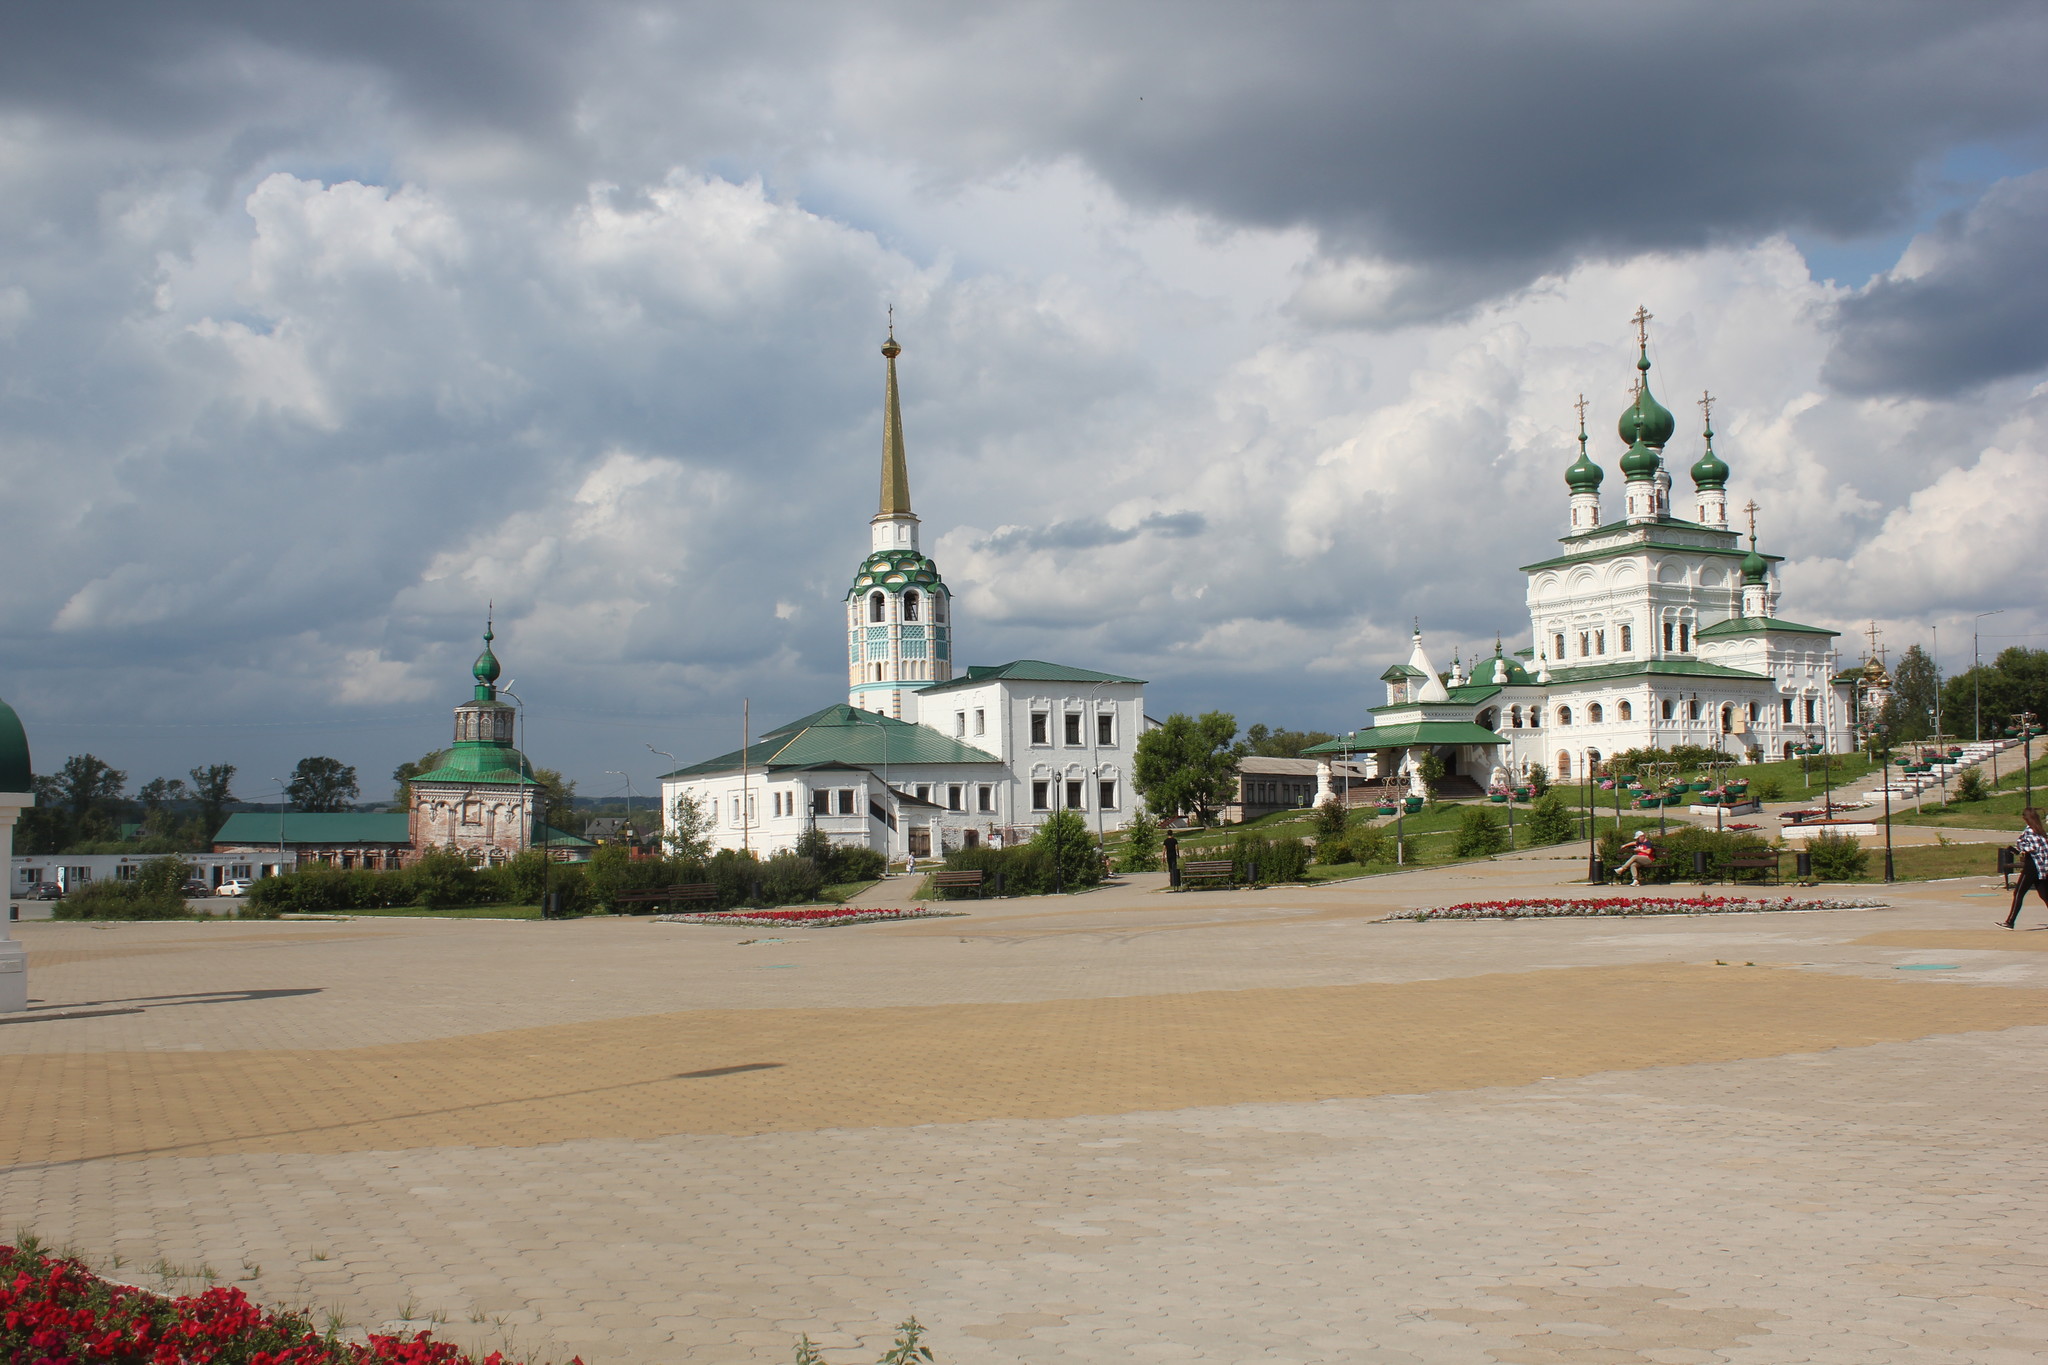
x: 15, y: 769
x: 1755, y: 568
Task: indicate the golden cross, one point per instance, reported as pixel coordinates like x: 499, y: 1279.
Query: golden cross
x: 1872, y: 633
x: 1642, y: 322
x: 1751, y: 508
x: 1581, y: 406
x: 1707, y: 407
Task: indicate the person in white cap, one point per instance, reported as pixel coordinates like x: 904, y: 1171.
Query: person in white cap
x: 1641, y: 854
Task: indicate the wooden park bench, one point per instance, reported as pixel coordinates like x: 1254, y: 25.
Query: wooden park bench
x: 641, y: 902
x: 965, y: 880
x: 1209, y: 870
x: 1766, y: 863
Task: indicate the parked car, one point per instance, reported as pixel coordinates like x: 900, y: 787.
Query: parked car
x: 236, y: 887
x: 44, y: 891
x: 195, y: 887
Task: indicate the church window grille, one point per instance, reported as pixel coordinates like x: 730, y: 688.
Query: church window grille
x: 1595, y: 714
x: 1073, y: 727
x: 985, y: 799
x: 910, y: 606
x: 1628, y: 641
x: 1564, y: 715
x: 846, y: 800
x: 955, y: 794
x: 980, y: 722
x: 1105, y: 796
x: 1599, y: 642
x: 876, y: 610
x: 1105, y: 729
x: 1074, y: 796
x: 1041, y: 727
x: 1627, y: 712
x: 1041, y: 796
x: 1809, y: 710
x: 1558, y: 645
x: 1667, y: 708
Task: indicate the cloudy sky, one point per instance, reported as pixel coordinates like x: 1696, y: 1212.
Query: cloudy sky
x: 1235, y: 336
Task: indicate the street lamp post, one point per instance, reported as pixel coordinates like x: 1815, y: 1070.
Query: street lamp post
x: 2025, y: 720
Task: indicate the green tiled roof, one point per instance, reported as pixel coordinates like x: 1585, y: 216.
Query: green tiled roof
x: 842, y: 736
x: 1677, y: 523
x: 477, y: 761
x: 561, y: 838
x: 1400, y: 671
x: 1472, y: 693
x: 1638, y: 547
x: 1679, y: 668
x: 1758, y: 625
x: 1415, y: 732
x: 316, y: 827
x: 1027, y: 670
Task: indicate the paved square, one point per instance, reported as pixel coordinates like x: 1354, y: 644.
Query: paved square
x: 1127, y: 1125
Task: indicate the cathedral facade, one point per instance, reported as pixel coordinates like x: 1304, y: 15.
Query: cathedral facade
x: 1649, y: 630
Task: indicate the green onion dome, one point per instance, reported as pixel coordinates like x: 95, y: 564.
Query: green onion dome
x: 15, y: 771
x: 486, y: 668
x: 1640, y: 462
x: 1710, y: 470
x: 896, y: 571
x: 1646, y: 419
x: 1755, y: 568
x: 1582, y: 475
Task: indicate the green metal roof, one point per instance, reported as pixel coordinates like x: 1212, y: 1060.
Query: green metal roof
x: 315, y: 827
x: 1401, y: 671
x: 1678, y: 668
x: 1027, y: 670
x: 16, y: 774
x: 1758, y: 625
x: 1402, y: 736
x: 561, y: 838
x: 842, y: 736
x: 481, y: 761
x: 1638, y: 547
x: 895, y: 571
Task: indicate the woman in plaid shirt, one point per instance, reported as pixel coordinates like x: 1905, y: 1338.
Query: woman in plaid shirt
x: 2033, y: 849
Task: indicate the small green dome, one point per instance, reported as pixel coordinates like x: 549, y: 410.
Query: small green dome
x: 486, y: 668
x: 1710, y: 470
x: 1755, y: 568
x: 1582, y: 475
x: 895, y: 570
x: 1646, y: 419
x: 15, y: 770
x: 1640, y: 462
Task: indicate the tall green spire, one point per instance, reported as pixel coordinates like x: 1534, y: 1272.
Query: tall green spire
x: 895, y: 468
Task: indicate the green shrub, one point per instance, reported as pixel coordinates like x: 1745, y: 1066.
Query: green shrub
x: 1838, y: 858
x: 1332, y: 849
x: 1551, y: 821
x: 1688, y: 757
x: 854, y: 863
x: 1064, y: 838
x: 1270, y: 860
x: 442, y: 879
x: 1023, y: 871
x: 1332, y: 820
x: 1369, y: 844
x: 1141, y: 843
x: 1971, y: 786
x: 1676, y: 846
x: 119, y: 900
x: 790, y: 879
x: 1769, y: 789
x: 1539, y: 779
x: 1479, y: 834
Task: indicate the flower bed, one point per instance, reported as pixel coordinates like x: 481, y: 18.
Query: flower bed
x: 809, y: 919
x: 1590, y: 906
x: 56, y: 1312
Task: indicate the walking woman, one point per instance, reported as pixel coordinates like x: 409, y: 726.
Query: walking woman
x: 2033, y: 850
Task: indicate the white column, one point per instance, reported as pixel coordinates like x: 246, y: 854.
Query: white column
x: 13, y: 956
x: 1416, y: 786
x: 1323, y: 792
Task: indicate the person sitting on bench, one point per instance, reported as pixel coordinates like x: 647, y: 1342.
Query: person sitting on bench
x: 1641, y: 854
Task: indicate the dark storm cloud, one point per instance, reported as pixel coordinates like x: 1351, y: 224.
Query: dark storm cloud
x: 1967, y: 308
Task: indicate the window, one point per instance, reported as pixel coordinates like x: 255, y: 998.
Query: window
x: 1627, y: 712
x: 1041, y: 796
x: 1669, y: 630
x: 1105, y: 796
x: 1074, y: 796
x: 1041, y: 728
x: 1105, y: 728
x: 1073, y: 735
x: 1564, y: 715
x: 1585, y: 645
x: 1667, y: 708
x: 1557, y: 650
x: 1809, y: 710
x: 1489, y: 719
x: 821, y: 803
x: 924, y: 791
x: 985, y: 799
x: 1692, y: 709
x: 1628, y: 639
x: 1595, y: 714
x: 1788, y: 710
x: 735, y: 817
x: 1599, y: 642
x: 980, y: 722
x: 955, y: 794
x: 846, y: 800
x: 910, y: 605
x: 124, y: 873
x: 1684, y: 636
x: 1728, y: 718
x: 959, y: 722
x: 876, y: 611
x: 1752, y: 713
x: 1514, y: 717
x: 938, y: 607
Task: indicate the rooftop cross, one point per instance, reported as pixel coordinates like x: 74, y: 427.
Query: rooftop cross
x: 1642, y: 322
x: 1707, y: 410
x: 1750, y: 508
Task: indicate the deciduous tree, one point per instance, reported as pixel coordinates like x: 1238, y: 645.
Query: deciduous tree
x: 322, y: 784
x: 1186, y: 765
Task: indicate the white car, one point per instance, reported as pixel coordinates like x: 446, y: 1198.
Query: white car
x: 232, y: 888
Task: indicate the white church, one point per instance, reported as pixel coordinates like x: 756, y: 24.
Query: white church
x: 1651, y: 630
x: 918, y: 761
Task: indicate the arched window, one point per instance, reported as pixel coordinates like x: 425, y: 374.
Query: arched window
x: 1667, y: 708
x: 1596, y: 713
x: 938, y: 606
x: 1628, y: 639
x: 1514, y: 717
x: 876, y: 611
x: 910, y: 605
x: 1592, y: 760
x: 1627, y: 712
x: 1490, y: 718
x: 1788, y: 751
x: 1564, y: 765
x: 1728, y: 718
x: 1564, y: 715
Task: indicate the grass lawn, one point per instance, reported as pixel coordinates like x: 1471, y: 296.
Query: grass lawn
x: 840, y: 892
x: 1932, y: 862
